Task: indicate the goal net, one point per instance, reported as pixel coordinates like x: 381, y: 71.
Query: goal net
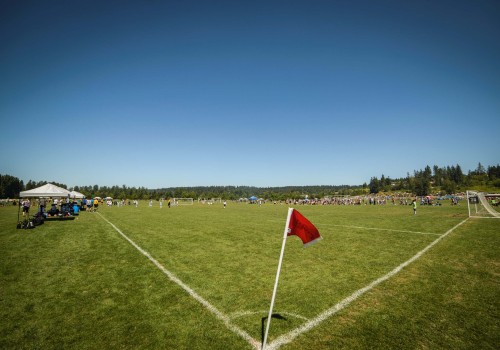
x: 482, y: 205
x: 182, y: 201
x: 210, y: 201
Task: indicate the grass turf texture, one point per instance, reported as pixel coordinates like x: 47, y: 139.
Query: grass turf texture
x: 79, y: 284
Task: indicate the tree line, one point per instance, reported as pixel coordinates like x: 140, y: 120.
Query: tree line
x: 449, y: 179
x: 224, y: 192
x: 445, y: 180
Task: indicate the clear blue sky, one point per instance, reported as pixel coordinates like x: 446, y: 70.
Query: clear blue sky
x: 261, y: 93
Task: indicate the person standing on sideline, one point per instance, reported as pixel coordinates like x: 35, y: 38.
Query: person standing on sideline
x: 26, y: 207
x: 225, y: 204
x: 414, y: 204
x: 168, y: 203
x: 42, y: 205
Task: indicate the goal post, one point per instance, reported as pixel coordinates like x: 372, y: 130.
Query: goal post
x: 182, y: 201
x: 483, y: 205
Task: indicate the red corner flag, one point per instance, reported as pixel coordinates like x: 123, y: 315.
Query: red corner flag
x: 303, y: 228
x: 298, y: 225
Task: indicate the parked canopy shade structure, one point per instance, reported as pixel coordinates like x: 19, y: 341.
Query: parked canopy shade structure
x: 74, y: 194
x: 47, y: 190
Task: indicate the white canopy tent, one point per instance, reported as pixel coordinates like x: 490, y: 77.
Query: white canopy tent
x: 47, y: 190
x: 76, y: 195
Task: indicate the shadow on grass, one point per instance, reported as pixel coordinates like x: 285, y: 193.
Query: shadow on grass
x: 263, y: 322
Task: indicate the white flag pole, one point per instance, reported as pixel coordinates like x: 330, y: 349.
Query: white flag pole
x: 290, y: 211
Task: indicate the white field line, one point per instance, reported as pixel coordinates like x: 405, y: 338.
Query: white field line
x: 221, y: 316
x: 383, y: 229
x: 290, y: 336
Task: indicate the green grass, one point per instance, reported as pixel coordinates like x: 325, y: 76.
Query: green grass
x: 79, y: 284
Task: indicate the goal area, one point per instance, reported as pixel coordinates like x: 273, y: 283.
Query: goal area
x: 483, y: 205
x: 182, y: 201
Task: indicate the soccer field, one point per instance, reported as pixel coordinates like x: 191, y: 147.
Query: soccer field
x: 201, y: 277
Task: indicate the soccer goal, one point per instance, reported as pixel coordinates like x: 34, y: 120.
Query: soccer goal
x: 209, y: 201
x: 482, y: 205
x: 182, y: 201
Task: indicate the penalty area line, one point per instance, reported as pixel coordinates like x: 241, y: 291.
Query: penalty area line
x: 216, y: 312
x: 290, y: 336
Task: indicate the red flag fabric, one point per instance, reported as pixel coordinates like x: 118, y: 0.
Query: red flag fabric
x: 303, y: 228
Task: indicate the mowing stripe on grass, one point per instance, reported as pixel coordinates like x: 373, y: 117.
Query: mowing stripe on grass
x: 382, y: 229
x: 225, y: 319
x: 290, y: 336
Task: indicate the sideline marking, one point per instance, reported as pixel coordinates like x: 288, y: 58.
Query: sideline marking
x: 287, y: 338
x: 225, y: 319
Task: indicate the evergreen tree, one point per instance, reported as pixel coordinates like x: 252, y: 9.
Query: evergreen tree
x: 494, y: 172
x: 10, y: 186
x: 374, y: 185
